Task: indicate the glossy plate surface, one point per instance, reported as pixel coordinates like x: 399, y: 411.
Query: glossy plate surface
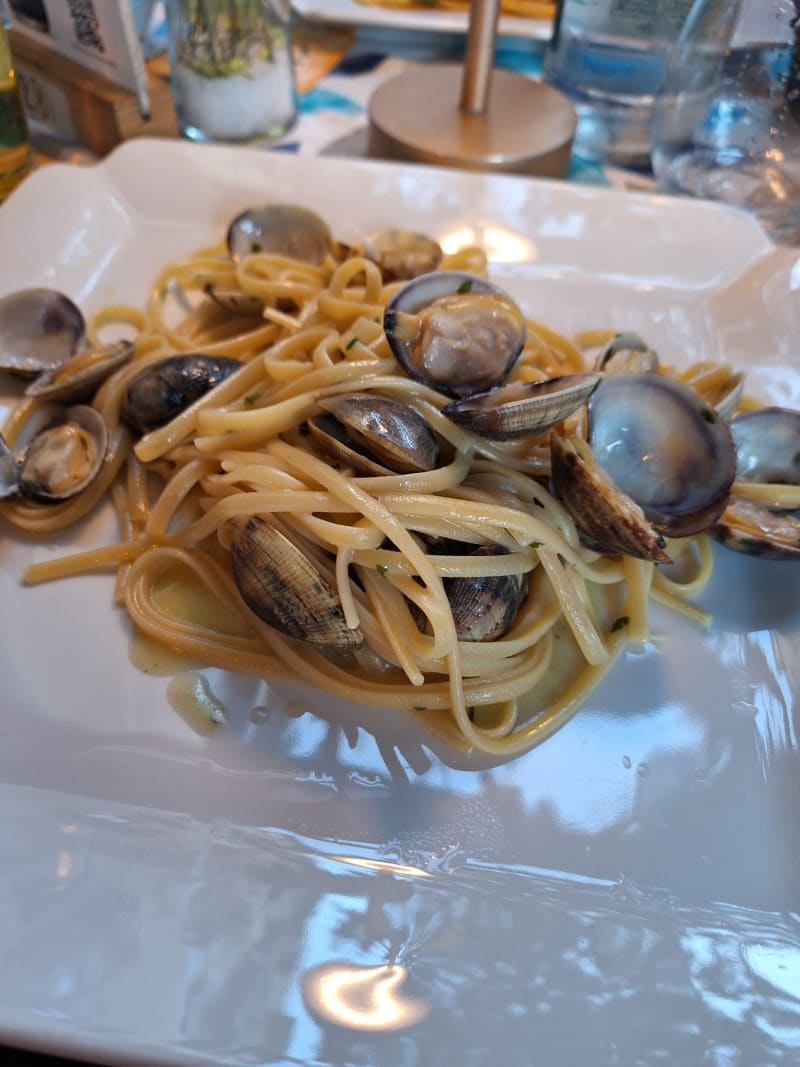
x: 311, y: 884
x: 352, y: 13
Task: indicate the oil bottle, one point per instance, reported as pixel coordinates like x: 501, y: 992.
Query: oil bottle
x: 16, y: 156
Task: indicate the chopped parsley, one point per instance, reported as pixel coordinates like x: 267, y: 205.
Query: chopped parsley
x: 620, y: 623
x: 534, y: 544
x: 708, y: 415
x: 253, y: 398
x: 465, y: 287
x: 382, y: 569
x: 255, y: 246
x: 419, y: 707
x: 350, y: 343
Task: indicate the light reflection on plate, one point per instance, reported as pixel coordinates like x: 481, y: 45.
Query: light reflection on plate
x: 502, y: 244
x: 363, y: 998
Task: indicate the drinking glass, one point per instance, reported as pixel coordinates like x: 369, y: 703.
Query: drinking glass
x: 232, y: 71
x: 608, y: 57
x: 727, y: 121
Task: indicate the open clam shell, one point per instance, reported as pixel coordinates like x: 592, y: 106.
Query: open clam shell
x: 757, y: 530
x: 768, y: 445
x: 454, y: 331
x: 767, y: 451
x: 523, y: 409
x: 234, y: 301
x: 627, y: 353
x: 65, y: 456
x: 665, y: 448
x: 80, y: 376
x: 403, y: 254
x: 39, y: 330
x: 610, y: 520
x: 9, y: 473
x: 377, y: 435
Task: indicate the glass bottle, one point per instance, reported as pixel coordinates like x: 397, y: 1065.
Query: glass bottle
x: 16, y: 156
x: 727, y: 123
x: 232, y: 70
x: 609, y: 57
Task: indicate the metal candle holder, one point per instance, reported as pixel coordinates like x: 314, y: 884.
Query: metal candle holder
x: 473, y: 117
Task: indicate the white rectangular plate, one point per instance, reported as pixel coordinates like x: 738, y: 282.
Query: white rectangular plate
x: 354, y: 14
x: 626, y: 893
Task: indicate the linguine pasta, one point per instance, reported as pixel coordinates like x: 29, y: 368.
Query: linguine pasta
x: 243, y: 450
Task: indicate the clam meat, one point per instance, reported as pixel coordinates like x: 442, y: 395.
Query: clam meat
x: 65, y: 456
x: 454, y: 331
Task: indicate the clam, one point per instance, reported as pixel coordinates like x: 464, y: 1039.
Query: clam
x: 719, y: 385
x: 729, y: 398
x: 485, y: 608
x: 659, y: 461
x: 607, y: 519
x: 767, y: 445
x: 627, y: 353
x: 79, y: 377
x: 9, y: 474
x: 664, y: 447
x: 235, y: 301
x: 758, y: 530
x: 403, y: 254
x: 65, y: 456
x: 280, y: 229
x: 376, y: 435
x: 454, y: 331
x: 285, y: 589
x: 39, y: 330
x: 523, y: 409
x: 164, y: 389
x: 767, y: 451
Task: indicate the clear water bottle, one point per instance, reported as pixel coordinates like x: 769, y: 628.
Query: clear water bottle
x: 727, y: 122
x: 609, y: 58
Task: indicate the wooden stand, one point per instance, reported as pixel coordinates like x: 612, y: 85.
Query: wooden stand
x: 76, y: 104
